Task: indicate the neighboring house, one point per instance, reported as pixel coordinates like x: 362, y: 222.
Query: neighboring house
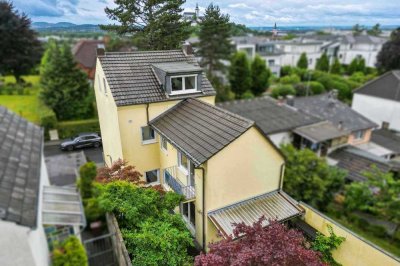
x: 274, y: 118
x: 379, y: 100
x: 388, y: 140
x: 156, y: 110
x: 360, y: 46
x: 32, y: 213
x: 326, y: 106
x: 22, y: 177
x: 356, y: 162
x: 85, y: 55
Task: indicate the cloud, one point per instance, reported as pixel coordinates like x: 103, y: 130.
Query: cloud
x: 238, y: 5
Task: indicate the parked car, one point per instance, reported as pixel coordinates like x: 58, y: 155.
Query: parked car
x: 81, y: 141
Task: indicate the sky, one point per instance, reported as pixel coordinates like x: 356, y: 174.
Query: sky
x: 250, y: 12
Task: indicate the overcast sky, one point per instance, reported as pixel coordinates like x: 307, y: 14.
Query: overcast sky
x: 249, y: 12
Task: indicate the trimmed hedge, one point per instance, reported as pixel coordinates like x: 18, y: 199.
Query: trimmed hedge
x: 71, y: 128
x: 71, y: 252
x: 47, y: 117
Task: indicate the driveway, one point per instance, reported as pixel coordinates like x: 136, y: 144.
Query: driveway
x: 63, y: 166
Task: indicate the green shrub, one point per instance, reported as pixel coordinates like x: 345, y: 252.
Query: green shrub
x: 248, y: 95
x: 316, y: 87
x: 286, y: 70
x: 326, y: 244
x: 47, y: 117
x: 290, y: 79
x: 87, y: 174
x: 68, y: 129
x: 301, y: 89
x: 93, y: 212
x: 377, y: 230
x: 357, y: 77
x: 283, y: 90
x: 70, y: 253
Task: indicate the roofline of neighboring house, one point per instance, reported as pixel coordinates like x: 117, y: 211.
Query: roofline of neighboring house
x: 373, y: 81
x: 40, y: 190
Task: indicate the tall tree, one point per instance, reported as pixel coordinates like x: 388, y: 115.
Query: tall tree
x: 356, y: 65
x: 239, y: 74
x: 375, y: 30
x: 323, y: 63
x: 65, y: 88
x: 303, y: 61
x: 158, y: 25
x: 214, y: 39
x: 20, y: 50
x: 273, y: 245
x: 389, y: 56
x: 357, y: 29
x: 259, y: 76
x: 309, y: 178
x: 336, y: 67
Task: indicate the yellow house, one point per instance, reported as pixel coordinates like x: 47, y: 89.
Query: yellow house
x: 156, y: 110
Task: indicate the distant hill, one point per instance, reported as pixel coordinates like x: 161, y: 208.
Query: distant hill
x: 64, y: 26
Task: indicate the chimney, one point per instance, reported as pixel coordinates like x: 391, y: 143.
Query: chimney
x: 334, y: 94
x: 385, y: 125
x: 281, y: 101
x: 340, y: 125
x: 187, y: 48
x: 100, y: 51
x: 290, y: 100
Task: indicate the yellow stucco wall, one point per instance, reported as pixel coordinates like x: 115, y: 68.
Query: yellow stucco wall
x: 354, y: 251
x: 108, y: 118
x: 248, y: 167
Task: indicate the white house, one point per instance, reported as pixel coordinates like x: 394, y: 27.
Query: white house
x: 22, y: 177
x: 379, y: 100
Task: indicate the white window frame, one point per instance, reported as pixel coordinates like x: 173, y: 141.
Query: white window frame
x: 184, y: 91
x: 184, y: 170
x: 162, y: 139
x: 149, y: 141
x: 189, y: 225
x: 359, y: 135
x: 158, y: 177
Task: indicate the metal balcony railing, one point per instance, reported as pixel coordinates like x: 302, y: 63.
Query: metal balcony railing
x: 171, y: 180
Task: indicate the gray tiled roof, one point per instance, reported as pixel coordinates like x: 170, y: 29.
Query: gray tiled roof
x: 386, y: 86
x: 199, y: 129
x: 326, y: 107
x: 269, y: 116
x: 387, y: 138
x: 321, y: 131
x: 356, y: 162
x: 20, y: 162
x: 132, y: 79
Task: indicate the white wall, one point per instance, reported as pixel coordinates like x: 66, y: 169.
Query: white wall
x: 378, y: 110
x: 281, y: 138
x: 367, y: 51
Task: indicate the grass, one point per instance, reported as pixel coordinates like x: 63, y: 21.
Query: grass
x: 24, y: 105
x: 380, y: 242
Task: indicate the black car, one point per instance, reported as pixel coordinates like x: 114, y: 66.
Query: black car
x: 81, y: 141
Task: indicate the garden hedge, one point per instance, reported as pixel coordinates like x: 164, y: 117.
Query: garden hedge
x: 68, y: 129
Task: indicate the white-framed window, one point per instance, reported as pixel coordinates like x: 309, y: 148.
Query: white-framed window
x: 105, y: 86
x: 183, y: 84
x: 183, y: 162
x: 271, y: 62
x: 188, y: 211
x: 164, y: 144
x: 148, y: 135
x: 152, y: 176
x: 359, y: 134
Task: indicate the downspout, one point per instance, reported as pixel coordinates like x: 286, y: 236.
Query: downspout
x: 203, y: 203
x: 281, y: 176
x: 147, y: 113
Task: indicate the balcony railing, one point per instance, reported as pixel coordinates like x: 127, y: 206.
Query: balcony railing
x: 171, y: 180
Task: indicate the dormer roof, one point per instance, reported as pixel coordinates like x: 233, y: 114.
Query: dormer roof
x: 132, y: 79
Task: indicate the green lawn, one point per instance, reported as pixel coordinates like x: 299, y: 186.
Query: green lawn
x: 24, y: 105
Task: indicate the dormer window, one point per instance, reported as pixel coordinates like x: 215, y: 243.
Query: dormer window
x: 183, y: 84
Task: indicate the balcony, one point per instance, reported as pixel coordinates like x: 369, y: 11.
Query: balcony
x: 173, y: 178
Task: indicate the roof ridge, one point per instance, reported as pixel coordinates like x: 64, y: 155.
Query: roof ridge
x: 144, y: 52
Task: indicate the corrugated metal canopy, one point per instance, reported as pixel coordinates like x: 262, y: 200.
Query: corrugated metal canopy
x: 62, y: 206
x: 273, y: 205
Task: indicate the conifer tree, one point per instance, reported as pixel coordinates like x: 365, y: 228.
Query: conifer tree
x: 214, y: 39
x: 389, y: 56
x: 336, y: 67
x: 259, y: 76
x: 65, y: 88
x: 20, y: 50
x: 323, y: 63
x: 303, y: 61
x: 157, y: 25
x: 239, y: 74
x: 356, y: 65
